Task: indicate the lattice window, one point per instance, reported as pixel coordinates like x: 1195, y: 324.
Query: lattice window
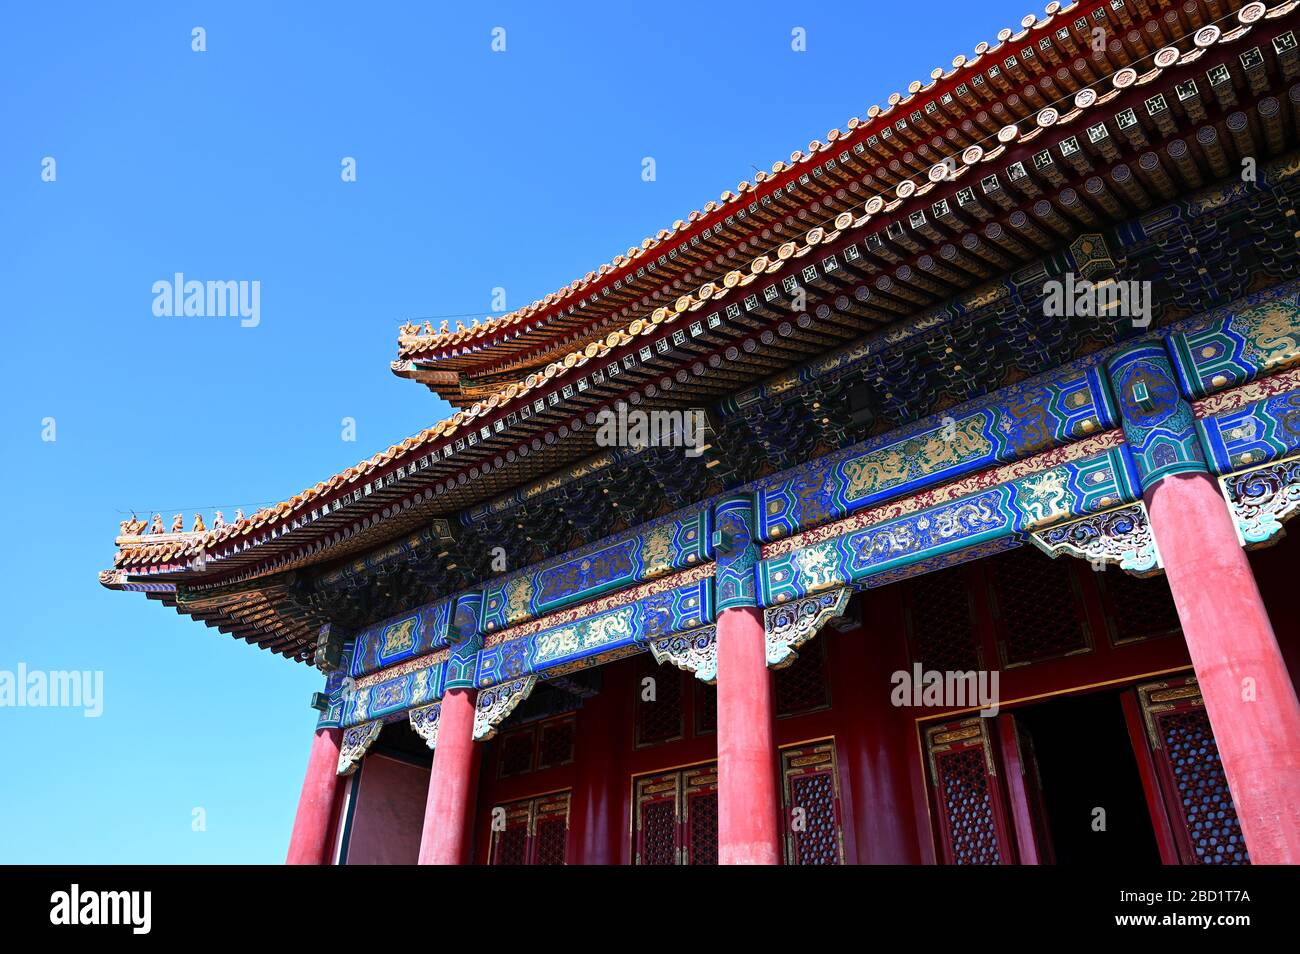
x: 510, y: 845
x: 1138, y: 608
x: 941, y: 630
x: 516, y: 752
x: 535, y: 831
x: 1203, y: 792
x: 658, y: 719
x: 968, y: 805
x: 810, y: 789
x: 552, y: 837
x: 801, y: 686
x: 966, y: 794
x: 677, y: 817
x: 1196, y: 792
x: 706, y: 708
x: 660, y: 834
x: 1037, y: 605
x: 555, y: 743
x: 657, y: 826
x: 701, y: 786
x: 551, y: 829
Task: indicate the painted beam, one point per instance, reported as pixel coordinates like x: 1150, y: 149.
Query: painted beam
x: 1250, y: 338
x: 1259, y: 433
x: 941, y: 532
x: 1015, y: 423
x: 675, y: 542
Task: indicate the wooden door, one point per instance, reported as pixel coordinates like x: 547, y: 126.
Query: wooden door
x: 966, y: 795
x: 1189, y: 775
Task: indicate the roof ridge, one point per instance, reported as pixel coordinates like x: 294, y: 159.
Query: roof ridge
x: 409, y: 332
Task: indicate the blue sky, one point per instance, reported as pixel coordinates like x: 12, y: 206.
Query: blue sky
x: 475, y: 170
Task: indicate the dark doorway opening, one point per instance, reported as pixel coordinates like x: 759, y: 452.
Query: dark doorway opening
x: 1085, y: 762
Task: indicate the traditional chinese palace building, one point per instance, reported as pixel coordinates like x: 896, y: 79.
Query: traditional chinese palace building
x: 538, y: 649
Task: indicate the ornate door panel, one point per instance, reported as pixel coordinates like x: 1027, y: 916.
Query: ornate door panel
x: 658, y: 831
x: 676, y: 817
x: 970, y: 809
x: 535, y: 832
x: 810, y: 792
x: 551, y: 829
x: 1190, y: 775
x: 701, y: 822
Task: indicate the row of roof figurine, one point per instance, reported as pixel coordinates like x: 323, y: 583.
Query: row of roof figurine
x: 134, y: 528
x: 411, y: 328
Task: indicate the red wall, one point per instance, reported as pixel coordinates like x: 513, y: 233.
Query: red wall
x: 871, y: 756
x: 388, y: 812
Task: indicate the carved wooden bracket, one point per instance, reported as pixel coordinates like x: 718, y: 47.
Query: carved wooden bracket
x: 1121, y: 536
x: 790, y: 625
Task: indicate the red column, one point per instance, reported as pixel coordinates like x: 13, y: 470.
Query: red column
x: 313, y: 826
x: 594, y: 838
x: 1017, y: 790
x: 444, y: 840
x: 1231, y: 640
x: 748, y: 833
x: 874, y: 737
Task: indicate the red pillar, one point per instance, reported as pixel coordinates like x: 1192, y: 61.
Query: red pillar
x: 313, y: 825
x: 1018, y: 794
x: 594, y: 839
x: 875, y: 737
x: 748, y: 833
x: 1230, y: 640
x: 444, y: 840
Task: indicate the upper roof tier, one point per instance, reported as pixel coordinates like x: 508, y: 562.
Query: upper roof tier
x: 883, y: 272
x: 920, y: 134
x: 889, y: 258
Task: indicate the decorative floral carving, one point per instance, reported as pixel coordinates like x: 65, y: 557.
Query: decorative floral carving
x: 424, y: 721
x: 695, y: 651
x: 356, y: 741
x: 498, y: 702
x: 1121, y: 536
x: 790, y: 625
x: 1262, y: 499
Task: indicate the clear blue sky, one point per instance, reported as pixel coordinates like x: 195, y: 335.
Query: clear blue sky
x: 475, y: 170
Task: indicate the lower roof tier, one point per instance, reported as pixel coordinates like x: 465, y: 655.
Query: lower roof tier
x: 1233, y: 360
